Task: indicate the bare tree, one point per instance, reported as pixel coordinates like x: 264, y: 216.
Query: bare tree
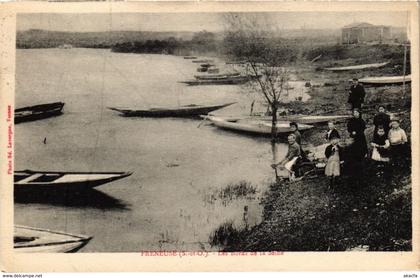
x: 250, y: 39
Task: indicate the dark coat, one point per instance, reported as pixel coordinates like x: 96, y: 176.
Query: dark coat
x: 359, y: 146
x: 357, y: 125
x: 357, y: 94
x: 329, y: 151
x: 334, y: 133
x: 382, y: 119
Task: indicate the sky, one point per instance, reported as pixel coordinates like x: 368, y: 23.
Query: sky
x: 91, y: 22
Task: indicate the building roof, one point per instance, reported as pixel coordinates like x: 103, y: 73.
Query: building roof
x: 358, y: 25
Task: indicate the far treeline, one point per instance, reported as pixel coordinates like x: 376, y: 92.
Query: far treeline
x: 326, y: 47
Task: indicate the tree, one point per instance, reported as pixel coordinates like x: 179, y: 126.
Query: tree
x: 251, y: 39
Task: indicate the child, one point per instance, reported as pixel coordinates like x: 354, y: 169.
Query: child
x: 333, y: 153
x: 398, y: 139
x: 332, y: 131
x: 380, y: 145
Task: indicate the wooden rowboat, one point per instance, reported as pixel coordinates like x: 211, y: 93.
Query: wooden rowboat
x: 215, y: 76
x: 300, y: 119
x: 39, y: 180
x: 255, y: 127
x: 385, y: 80
x: 35, y: 240
x: 226, y: 80
x: 192, y: 110
x: 318, y: 119
x: 358, y: 67
x: 201, y: 61
x: 36, y: 112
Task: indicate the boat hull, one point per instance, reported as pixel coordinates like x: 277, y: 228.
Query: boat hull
x: 215, y: 76
x: 33, y: 181
x: 38, y: 112
x: 383, y: 81
x: 358, y: 67
x: 234, y: 80
x: 314, y: 119
x: 184, y: 112
x: 34, y: 240
x: 300, y: 119
x: 253, y: 127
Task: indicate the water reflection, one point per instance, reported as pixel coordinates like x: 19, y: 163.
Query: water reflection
x: 88, y: 198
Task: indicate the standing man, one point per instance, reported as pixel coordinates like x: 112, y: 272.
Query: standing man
x: 357, y: 94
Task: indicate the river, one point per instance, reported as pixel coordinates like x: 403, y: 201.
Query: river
x: 171, y: 202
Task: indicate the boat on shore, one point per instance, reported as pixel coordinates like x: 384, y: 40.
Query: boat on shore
x: 190, y: 57
x: 216, y: 75
x: 202, y: 61
x: 35, y: 240
x: 37, y: 112
x: 253, y: 126
x: 385, y: 80
x: 29, y: 180
x: 191, y: 110
x: 300, y: 119
x: 226, y: 80
x: 317, y: 119
x: 358, y: 67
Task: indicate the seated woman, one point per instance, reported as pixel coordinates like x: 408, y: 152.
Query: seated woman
x: 293, y: 154
x: 380, y: 144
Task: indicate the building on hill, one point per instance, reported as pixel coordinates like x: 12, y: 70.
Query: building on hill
x: 365, y: 33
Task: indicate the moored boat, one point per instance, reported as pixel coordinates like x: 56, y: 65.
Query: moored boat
x: 190, y: 57
x: 385, y: 80
x: 358, y: 67
x: 300, y: 119
x: 37, y: 112
x: 216, y: 75
x: 201, y: 61
x: 252, y: 126
x: 192, y: 110
x: 226, y: 80
x: 35, y: 240
x: 317, y: 119
x: 41, y: 180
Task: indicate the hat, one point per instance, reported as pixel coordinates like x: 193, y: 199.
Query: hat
x: 394, y: 119
x: 293, y: 124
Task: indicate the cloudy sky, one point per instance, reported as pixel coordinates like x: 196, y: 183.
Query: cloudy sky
x: 198, y: 21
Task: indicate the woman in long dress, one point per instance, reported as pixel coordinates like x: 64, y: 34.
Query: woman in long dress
x: 356, y: 127
x: 357, y: 150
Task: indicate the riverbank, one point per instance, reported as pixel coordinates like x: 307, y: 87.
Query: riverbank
x: 308, y: 215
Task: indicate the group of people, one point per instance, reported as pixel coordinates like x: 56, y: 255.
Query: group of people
x: 389, y: 143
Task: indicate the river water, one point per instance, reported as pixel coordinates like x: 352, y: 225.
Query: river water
x: 178, y: 167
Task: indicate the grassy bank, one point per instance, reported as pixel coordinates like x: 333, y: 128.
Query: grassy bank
x: 307, y: 215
